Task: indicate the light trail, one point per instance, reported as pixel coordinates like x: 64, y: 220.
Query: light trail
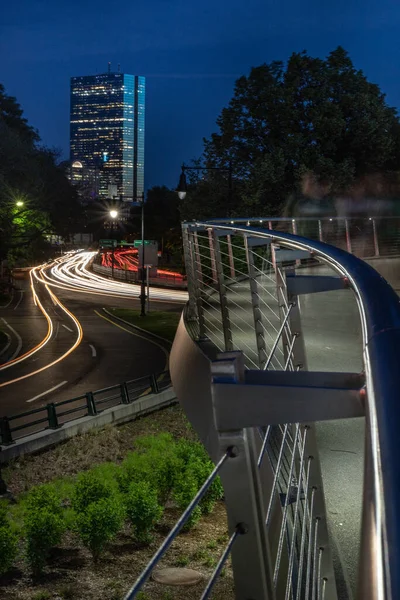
x: 71, y: 273
x: 48, y: 336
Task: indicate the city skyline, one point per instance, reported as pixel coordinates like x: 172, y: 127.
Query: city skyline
x: 107, y: 134
x: 190, y: 56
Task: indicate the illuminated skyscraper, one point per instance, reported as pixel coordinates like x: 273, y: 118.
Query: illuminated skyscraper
x: 107, y: 134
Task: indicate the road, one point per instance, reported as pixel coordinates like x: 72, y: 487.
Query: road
x: 63, y: 344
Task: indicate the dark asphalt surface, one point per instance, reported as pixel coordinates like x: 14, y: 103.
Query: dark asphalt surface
x: 109, y: 353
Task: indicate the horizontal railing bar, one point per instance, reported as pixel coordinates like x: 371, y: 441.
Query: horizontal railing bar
x: 72, y: 410
x: 32, y: 424
x: 62, y: 402
x: 34, y: 411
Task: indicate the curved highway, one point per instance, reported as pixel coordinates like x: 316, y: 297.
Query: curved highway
x: 62, y: 343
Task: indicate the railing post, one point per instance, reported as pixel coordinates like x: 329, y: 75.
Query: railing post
x: 197, y: 281
x: 154, y: 384
x: 5, y: 432
x: 230, y: 255
x: 294, y: 227
x: 52, y: 416
x: 257, y: 313
x: 212, y: 255
x: 124, y: 393
x: 244, y: 502
x: 91, y: 405
x: 226, y: 323
x: 189, y: 264
x: 348, y: 239
x: 320, y: 235
x: 376, y: 243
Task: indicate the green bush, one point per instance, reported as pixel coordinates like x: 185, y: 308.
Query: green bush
x: 185, y: 488
x: 201, y: 469
x: 44, y: 497
x: 44, y: 529
x: 143, y: 510
x: 99, y: 523
x: 89, y: 488
x: 8, y: 547
x: 157, y: 465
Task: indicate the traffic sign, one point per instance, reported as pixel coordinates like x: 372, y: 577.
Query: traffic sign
x: 125, y: 243
x: 138, y: 243
x: 108, y: 243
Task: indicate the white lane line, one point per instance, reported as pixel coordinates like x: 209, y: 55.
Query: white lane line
x: 19, y: 346
x: 94, y: 353
x: 20, y: 298
x: 69, y: 329
x: 48, y: 391
x: 9, y: 302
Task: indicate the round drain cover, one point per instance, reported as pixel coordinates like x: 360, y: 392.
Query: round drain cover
x: 176, y: 576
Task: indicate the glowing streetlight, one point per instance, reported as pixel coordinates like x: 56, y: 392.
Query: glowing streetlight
x: 19, y: 203
x: 113, y: 214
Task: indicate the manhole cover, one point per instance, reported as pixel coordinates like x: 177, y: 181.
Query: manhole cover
x: 177, y: 576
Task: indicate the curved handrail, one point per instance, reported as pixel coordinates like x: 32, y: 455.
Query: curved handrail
x: 379, y: 308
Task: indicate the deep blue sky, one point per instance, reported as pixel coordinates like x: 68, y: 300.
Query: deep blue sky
x: 191, y: 54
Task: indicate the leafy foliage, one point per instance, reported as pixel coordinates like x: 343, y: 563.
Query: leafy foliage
x: 286, y: 123
x: 143, y: 510
x: 89, y: 488
x: 44, y: 530
x: 99, y: 524
x: 8, y: 546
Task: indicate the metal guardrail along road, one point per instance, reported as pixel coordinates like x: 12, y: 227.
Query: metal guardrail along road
x: 55, y: 414
x: 239, y: 368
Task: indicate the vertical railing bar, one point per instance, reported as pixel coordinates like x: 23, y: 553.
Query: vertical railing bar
x: 285, y: 511
x: 292, y: 547
x: 304, y: 530
x: 286, y: 316
x: 315, y: 569
x: 276, y: 475
x: 310, y: 531
x: 319, y: 581
x: 264, y: 445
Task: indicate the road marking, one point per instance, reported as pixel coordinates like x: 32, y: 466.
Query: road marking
x: 48, y: 391
x: 19, y: 346
x: 9, y: 302
x: 94, y: 353
x: 139, y: 336
x: 69, y: 329
x: 20, y: 298
x: 6, y: 347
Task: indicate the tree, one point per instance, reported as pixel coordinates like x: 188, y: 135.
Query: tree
x: 36, y: 198
x: 283, y: 122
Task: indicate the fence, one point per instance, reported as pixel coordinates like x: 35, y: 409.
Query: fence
x: 239, y: 369
x: 55, y: 414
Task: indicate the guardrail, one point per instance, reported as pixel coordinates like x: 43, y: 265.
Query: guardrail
x: 239, y: 369
x: 54, y: 414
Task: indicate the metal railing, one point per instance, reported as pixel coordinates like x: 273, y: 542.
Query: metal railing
x: 55, y: 414
x: 239, y: 369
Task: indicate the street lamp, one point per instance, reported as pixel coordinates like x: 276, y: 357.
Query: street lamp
x: 113, y: 215
x: 19, y: 203
x: 182, y: 185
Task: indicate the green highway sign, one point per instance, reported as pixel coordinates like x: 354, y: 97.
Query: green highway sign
x: 138, y: 243
x: 108, y: 243
x: 125, y: 243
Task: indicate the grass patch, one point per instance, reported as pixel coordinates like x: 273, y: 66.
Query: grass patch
x: 162, y: 323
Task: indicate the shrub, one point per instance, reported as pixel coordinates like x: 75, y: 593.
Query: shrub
x: 143, y: 510
x: 157, y: 466
x: 44, y: 529
x: 185, y: 488
x: 99, y: 524
x: 44, y: 497
x: 8, y: 547
x: 89, y: 488
x: 201, y: 470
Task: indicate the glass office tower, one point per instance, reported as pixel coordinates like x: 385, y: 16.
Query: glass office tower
x: 107, y: 134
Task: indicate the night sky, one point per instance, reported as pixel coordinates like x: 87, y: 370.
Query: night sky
x: 191, y: 54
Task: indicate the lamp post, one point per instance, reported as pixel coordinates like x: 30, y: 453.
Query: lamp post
x: 143, y: 280
x: 182, y: 185
x: 113, y: 215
